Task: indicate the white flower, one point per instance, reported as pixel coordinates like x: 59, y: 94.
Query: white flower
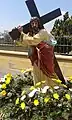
x: 44, y: 90
x: 9, y: 94
x: 56, y: 87
x: 5, y: 76
x: 23, y: 97
x: 51, y: 90
x: 70, y: 89
x: 0, y: 86
x: 31, y: 94
x: 38, y: 89
x: 59, y: 105
x: 2, y: 79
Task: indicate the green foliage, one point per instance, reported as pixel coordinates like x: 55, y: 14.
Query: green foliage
x: 62, y: 31
x: 47, y: 103
x: 10, y: 88
x: 62, y: 27
x: 23, y: 101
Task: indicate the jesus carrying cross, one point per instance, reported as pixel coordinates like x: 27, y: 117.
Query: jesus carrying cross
x: 41, y: 51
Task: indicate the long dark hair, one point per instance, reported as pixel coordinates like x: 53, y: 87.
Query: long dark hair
x: 40, y: 26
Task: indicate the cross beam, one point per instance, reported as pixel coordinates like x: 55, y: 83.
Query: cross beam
x: 43, y: 19
x: 34, y: 12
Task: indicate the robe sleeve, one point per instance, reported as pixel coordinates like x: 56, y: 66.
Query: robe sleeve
x: 36, y: 39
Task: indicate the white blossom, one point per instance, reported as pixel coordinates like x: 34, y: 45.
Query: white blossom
x: 0, y: 86
x: 5, y: 76
x: 59, y: 105
x: 56, y: 87
x: 2, y: 79
x: 31, y: 94
x: 70, y: 89
x: 51, y: 90
x: 44, y: 90
x: 23, y: 97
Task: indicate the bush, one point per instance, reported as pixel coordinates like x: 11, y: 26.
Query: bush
x: 21, y: 100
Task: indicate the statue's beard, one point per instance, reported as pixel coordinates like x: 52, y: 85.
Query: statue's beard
x: 35, y: 30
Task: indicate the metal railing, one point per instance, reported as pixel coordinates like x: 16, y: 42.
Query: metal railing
x: 12, y: 47
x: 64, y: 46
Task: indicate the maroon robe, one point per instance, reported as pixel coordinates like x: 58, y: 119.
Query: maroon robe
x: 43, y: 57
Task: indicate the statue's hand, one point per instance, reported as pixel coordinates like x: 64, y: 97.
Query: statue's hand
x: 20, y: 29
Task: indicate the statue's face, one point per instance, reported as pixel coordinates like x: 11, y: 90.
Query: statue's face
x: 34, y: 24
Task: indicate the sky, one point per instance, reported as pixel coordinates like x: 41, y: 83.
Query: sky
x: 15, y: 12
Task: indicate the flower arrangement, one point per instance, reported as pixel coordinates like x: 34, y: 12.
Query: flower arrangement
x: 11, y: 87
x: 20, y: 99
x: 47, y: 103
x: 5, y: 87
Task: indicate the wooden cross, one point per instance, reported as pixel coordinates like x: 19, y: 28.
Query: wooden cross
x: 43, y: 19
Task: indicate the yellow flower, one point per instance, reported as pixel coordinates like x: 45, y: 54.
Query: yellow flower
x: 3, y: 93
x: 8, y: 80
x: 56, y: 96
x: 23, y: 92
x: 70, y: 81
x: 64, y: 85
x: 70, y: 78
x: 42, y: 82
x: 29, y: 70
x: 22, y: 71
x: 68, y: 97
x: 46, y: 99
x: 9, y: 75
x: 3, y: 86
x: 57, y: 81
x: 36, y: 102
x: 32, y: 88
x: 38, y: 84
x: 23, y: 105
x: 17, y: 101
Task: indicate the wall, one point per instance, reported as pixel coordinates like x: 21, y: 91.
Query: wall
x: 11, y: 61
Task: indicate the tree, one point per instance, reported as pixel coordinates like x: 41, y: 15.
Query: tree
x: 66, y: 16
x: 61, y: 29
x: 7, y: 38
